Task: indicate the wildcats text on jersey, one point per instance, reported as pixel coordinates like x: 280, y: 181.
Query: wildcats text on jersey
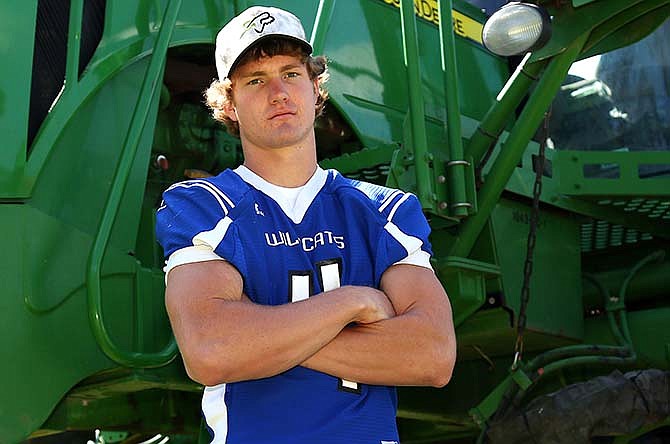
x: 307, y: 243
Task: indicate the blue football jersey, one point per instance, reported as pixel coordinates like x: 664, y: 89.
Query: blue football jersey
x: 336, y: 231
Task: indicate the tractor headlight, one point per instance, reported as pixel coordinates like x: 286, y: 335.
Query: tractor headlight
x: 516, y: 28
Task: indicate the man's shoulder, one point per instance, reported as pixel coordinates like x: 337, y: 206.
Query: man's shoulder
x: 379, y: 197
x: 226, y: 188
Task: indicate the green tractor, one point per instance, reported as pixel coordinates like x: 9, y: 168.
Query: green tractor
x: 538, y: 144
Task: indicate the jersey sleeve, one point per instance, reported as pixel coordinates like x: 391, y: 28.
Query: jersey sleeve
x: 404, y: 237
x: 193, y: 224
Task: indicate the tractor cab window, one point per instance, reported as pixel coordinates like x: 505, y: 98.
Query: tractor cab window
x: 617, y: 101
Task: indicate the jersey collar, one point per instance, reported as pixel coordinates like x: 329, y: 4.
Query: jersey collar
x: 294, y: 208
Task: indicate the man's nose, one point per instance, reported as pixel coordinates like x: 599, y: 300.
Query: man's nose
x: 278, y: 92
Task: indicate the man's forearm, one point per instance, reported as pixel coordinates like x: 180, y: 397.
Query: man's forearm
x: 261, y: 341
x: 223, y: 337
x: 417, y: 347
x: 398, y: 351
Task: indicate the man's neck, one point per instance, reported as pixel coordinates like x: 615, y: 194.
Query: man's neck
x: 287, y: 167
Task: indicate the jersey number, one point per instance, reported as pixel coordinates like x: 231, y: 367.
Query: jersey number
x: 301, y: 286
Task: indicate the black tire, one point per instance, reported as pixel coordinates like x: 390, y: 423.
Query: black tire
x: 611, y: 405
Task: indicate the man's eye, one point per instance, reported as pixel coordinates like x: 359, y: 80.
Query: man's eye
x: 254, y: 82
x: 292, y: 74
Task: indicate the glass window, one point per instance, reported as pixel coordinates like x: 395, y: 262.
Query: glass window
x: 617, y: 101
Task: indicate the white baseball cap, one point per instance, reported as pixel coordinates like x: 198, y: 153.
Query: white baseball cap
x: 252, y: 25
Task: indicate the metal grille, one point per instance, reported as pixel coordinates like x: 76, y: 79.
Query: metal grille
x: 49, y: 58
x: 600, y: 234
x: 376, y: 174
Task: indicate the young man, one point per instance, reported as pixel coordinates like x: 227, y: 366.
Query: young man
x: 298, y: 297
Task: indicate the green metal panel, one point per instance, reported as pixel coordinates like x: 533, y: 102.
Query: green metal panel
x: 619, y: 209
x: 17, y: 21
x: 576, y: 180
x: 603, y: 15
x: 465, y: 282
x: 62, y: 216
x: 46, y: 350
x: 649, y: 331
x: 556, y: 301
x: 368, y: 57
x: 143, y: 114
x: 57, y: 371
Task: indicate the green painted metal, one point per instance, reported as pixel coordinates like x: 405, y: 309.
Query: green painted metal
x: 578, y: 3
x: 74, y: 43
x: 555, y: 308
x: 464, y: 280
x: 562, y: 358
x: 606, y: 211
x: 626, y: 28
x: 147, y: 94
x: 52, y: 212
x: 456, y: 166
x: 575, y: 180
x: 509, y: 98
x: 419, y: 140
x: 656, y: 256
x: 485, y: 409
x: 646, y: 285
x: 17, y: 46
x: 570, y: 24
x: 514, y: 147
x: 375, y: 161
x: 323, y: 16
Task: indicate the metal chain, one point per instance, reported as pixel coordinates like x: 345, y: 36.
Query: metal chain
x: 532, y: 235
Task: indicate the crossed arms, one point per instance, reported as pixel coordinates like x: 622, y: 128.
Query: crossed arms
x: 401, y: 335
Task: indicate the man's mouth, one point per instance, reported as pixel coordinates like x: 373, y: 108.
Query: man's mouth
x: 280, y: 114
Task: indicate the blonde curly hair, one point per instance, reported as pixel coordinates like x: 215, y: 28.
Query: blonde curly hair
x: 220, y: 92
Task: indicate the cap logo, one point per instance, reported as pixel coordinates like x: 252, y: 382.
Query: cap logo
x: 258, y: 23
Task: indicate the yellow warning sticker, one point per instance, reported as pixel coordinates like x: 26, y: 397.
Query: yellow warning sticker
x: 463, y: 25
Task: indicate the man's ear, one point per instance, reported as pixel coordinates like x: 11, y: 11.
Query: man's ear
x: 230, y: 111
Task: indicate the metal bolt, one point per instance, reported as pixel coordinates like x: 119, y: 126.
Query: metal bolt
x: 443, y: 205
x: 441, y: 179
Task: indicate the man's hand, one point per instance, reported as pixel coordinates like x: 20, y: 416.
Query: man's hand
x: 221, y: 333
x: 377, y: 306
x: 414, y: 346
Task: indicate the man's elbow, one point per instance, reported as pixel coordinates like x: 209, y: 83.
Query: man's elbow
x: 201, y: 373
x: 441, y: 367
x: 206, y: 371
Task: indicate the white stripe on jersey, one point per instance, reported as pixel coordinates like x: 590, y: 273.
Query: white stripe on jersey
x: 415, y: 255
x: 214, y: 191
x: 388, y: 200
x: 216, y: 412
x: 395, y: 207
x: 410, y: 243
x: 213, y: 237
x: 419, y: 258
x: 190, y: 255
